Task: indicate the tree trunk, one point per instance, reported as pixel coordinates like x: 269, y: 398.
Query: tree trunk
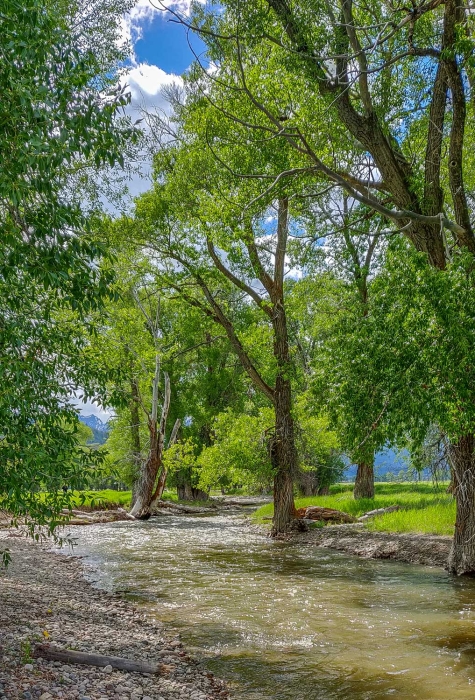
x: 149, y: 472
x: 144, y: 488
x: 162, y: 479
x: 135, y: 435
x: 364, y: 482
x: 462, y: 554
x: 67, y: 656
x: 283, y: 450
x: 187, y: 492
x: 135, y: 423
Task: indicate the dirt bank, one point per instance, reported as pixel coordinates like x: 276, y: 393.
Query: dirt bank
x: 430, y: 550
x: 44, y: 597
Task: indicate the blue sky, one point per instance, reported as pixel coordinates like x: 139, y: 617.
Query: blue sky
x: 164, y: 44
x: 161, y: 54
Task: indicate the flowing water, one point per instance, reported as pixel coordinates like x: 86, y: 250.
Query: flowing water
x: 283, y: 621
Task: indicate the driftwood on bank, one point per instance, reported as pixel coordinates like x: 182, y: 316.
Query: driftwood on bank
x: 79, y: 517
x: 329, y: 515
x: 178, y: 508
x: 378, y: 511
x: 67, y: 656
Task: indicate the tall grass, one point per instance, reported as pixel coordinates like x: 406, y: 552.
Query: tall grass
x: 424, y: 507
x: 101, y: 500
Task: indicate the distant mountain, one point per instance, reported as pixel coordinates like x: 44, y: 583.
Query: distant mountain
x: 386, y: 461
x: 100, y: 430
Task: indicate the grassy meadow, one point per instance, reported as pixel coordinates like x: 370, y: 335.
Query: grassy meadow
x: 424, y: 507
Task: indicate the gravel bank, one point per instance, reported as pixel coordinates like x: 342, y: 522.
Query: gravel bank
x: 43, y: 596
x: 429, y: 550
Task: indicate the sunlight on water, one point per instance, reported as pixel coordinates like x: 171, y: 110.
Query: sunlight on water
x: 287, y: 622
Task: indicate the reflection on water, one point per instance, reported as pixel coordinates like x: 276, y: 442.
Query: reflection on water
x: 284, y: 622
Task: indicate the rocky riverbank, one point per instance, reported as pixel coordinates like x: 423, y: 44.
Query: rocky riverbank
x: 45, y: 598
x: 429, y: 550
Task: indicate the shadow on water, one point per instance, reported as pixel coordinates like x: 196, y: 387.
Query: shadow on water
x: 283, y: 621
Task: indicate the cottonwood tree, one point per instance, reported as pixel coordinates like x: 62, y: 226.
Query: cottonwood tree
x: 376, y: 100
x: 205, y: 255
x: 131, y: 343
x: 54, y: 119
x: 153, y: 473
x: 341, y: 249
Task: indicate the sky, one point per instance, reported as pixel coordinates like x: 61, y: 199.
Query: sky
x: 161, y: 54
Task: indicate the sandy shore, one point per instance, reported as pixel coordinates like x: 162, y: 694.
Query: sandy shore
x: 44, y: 597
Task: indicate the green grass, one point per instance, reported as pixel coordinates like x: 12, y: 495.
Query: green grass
x: 424, y: 508
x: 101, y: 500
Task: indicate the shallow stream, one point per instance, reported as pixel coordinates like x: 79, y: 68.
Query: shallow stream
x: 282, y: 621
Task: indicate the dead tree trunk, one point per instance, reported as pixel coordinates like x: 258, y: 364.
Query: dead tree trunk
x: 364, y: 481
x: 67, y: 656
x: 162, y: 479
x: 149, y: 472
x: 135, y: 433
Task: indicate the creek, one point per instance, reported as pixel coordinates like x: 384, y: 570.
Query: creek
x: 283, y: 621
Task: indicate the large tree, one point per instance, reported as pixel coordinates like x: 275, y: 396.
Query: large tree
x: 58, y: 114
x: 202, y: 256
x: 374, y: 100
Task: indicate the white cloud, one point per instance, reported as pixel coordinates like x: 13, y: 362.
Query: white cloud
x: 86, y: 408
x: 144, y: 11
x: 146, y: 83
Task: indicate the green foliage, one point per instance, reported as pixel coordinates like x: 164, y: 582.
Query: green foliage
x: 56, y: 117
x: 239, y: 453
x: 408, y: 364
x: 318, y: 446
x: 428, y: 519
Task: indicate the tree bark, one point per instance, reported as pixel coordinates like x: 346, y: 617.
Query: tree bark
x: 364, y: 482
x: 151, y: 468
x: 135, y: 434
x: 162, y: 479
x: 283, y: 450
x: 284, y: 459
x: 462, y: 554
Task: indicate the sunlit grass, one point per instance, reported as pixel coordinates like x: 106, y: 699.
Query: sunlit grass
x: 424, y: 507
x: 106, y: 499
x: 436, y: 519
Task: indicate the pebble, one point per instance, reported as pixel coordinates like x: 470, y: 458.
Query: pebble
x: 84, y: 619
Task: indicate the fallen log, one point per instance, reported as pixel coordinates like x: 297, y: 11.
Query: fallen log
x: 329, y: 515
x: 244, y: 501
x: 178, y: 508
x: 81, y: 513
x: 378, y: 511
x: 67, y: 656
